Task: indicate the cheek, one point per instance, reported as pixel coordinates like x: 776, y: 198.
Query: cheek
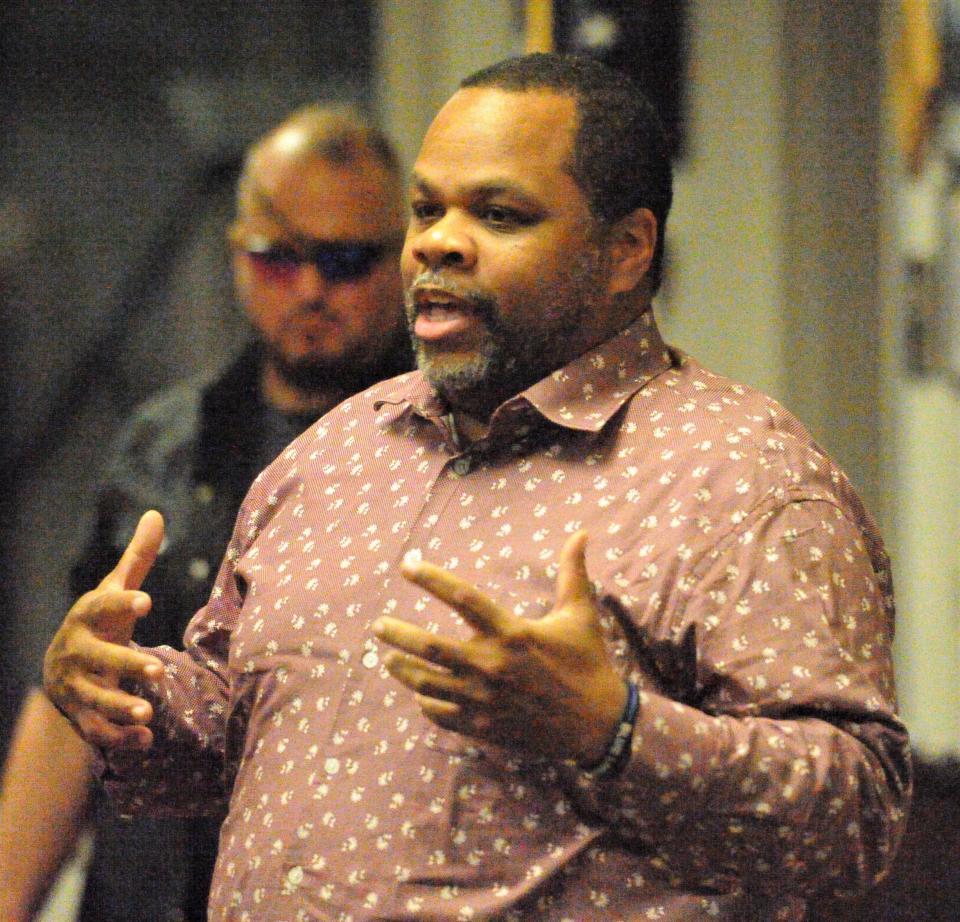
x: 514, y: 273
x: 409, y: 265
x: 265, y: 307
x: 374, y: 308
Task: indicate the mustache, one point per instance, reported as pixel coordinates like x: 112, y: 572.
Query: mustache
x: 311, y: 308
x: 482, y: 304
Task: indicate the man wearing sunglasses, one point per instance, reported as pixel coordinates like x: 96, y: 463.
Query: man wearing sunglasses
x: 314, y: 246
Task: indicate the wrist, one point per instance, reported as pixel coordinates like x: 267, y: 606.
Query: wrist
x: 617, y: 753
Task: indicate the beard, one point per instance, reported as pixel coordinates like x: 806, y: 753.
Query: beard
x: 352, y: 372
x: 462, y: 372
x: 512, y: 353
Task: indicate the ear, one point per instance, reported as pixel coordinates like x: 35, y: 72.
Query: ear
x: 631, y: 243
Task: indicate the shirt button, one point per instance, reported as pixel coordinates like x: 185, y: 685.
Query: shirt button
x: 461, y: 466
x: 295, y: 876
x: 199, y: 569
x: 370, y: 659
x: 331, y: 766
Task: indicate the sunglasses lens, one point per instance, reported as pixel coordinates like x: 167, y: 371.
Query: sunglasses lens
x: 277, y: 264
x: 336, y: 262
x: 346, y: 262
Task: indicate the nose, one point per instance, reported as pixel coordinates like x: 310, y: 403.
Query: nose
x: 310, y: 285
x: 446, y: 243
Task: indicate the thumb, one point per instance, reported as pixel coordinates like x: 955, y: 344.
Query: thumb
x: 140, y: 554
x: 573, y: 583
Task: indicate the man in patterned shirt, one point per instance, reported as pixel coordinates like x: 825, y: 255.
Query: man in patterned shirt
x: 423, y: 691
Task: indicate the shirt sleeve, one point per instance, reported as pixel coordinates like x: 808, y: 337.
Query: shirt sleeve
x: 184, y: 773
x: 187, y: 770
x: 199, y: 722
x: 767, y: 752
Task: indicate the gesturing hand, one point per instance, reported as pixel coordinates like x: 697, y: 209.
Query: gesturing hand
x: 542, y: 686
x: 89, y: 654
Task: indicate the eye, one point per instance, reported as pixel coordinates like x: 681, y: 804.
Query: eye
x: 424, y: 211
x: 503, y: 217
x: 278, y: 257
x: 275, y: 264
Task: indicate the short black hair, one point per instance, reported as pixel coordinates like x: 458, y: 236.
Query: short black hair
x: 621, y: 157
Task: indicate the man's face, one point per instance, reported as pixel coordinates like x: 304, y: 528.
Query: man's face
x: 314, y: 326
x: 504, y: 270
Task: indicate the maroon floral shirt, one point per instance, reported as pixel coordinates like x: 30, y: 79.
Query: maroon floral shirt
x: 744, y: 588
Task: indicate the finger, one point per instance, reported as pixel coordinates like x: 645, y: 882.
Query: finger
x: 112, y: 704
x: 99, y: 731
x: 111, y: 612
x: 573, y: 582
x: 425, y: 679
x: 100, y: 647
x: 442, y: 651
x: 453, y: 716
x: 140, y: 553
x: 477, y: 609
x: 100, y: 656
x: 446, y: 714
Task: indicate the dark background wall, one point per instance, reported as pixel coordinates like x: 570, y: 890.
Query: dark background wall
x: 122, y: 127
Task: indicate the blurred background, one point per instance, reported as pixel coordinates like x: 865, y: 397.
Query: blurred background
x: 814, y: 252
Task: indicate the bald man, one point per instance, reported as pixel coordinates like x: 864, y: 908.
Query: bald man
x: 314, y: 246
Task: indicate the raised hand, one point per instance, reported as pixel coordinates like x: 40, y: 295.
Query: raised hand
x: 543, y: 686
x: 90, y: 653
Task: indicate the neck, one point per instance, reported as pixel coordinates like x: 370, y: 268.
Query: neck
x: 471, y: 417
x: 469, y: 428
x: 291, y: 400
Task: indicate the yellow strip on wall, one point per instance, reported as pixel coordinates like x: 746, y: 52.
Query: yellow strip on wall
x: 914, y: 76
x: 539, y: 26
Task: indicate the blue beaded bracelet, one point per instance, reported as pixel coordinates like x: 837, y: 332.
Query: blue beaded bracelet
x: 616, y: 755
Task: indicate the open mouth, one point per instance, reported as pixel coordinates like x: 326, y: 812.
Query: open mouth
x: 438, y: 314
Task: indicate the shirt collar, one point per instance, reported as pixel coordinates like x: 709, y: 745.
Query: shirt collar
x: 583, y: 395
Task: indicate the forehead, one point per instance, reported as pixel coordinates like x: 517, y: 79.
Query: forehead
x: 485, y: 134
x: 327, y: 200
